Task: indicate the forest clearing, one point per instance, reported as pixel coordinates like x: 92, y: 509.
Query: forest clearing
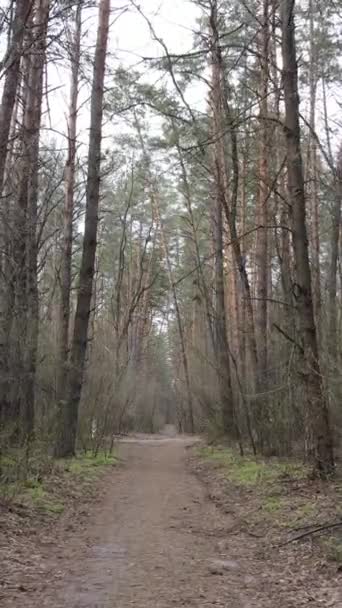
x: 170, y: 303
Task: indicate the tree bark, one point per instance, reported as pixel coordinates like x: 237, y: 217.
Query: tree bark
x: 220, y: 325
x: 8, y: 111
x: 261, y: 251
x: 34, y: 111
x: 315, y: 401
x: 12, y: 71
x: 222, y: 120
x: 66, y: 445
x: 70, y: 168
x: 312, y: 171
x: 334, y: 255
x: 222, y: 352
x: 25, y: 317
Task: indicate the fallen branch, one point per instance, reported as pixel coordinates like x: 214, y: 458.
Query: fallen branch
x: 310, y: 532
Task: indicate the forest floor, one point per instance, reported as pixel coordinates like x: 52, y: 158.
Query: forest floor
x: 165, y: 529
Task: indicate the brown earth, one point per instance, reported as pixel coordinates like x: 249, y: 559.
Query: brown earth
x: 155, y: 540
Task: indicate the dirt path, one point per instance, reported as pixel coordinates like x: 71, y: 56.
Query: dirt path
x: 157, y: 542
x: 148, y: 545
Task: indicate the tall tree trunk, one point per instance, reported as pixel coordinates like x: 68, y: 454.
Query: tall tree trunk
x: 70, y: 168
x: 261, y: 251
x: 316, y: 405
x: 189, y: 206
x: 312, y: 172
x: 220, y: 325
x: 25, y: 246
x: 222, y: 121
x: 12, y: 71
x: 334, y: 254
x: 229, y: 203
x: 67, y: 437
x: 11, y: 67
x: 220, y: 202
x: 34, y: 111
x: 262, y: 277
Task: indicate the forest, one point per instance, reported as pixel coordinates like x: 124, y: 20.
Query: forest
x: 170, y: 241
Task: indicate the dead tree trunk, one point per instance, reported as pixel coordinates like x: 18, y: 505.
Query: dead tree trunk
x: 316, y: 405
x: 69, y: 411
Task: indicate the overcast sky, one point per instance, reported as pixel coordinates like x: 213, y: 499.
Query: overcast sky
x: 173, y: 20
x: 130, y: 41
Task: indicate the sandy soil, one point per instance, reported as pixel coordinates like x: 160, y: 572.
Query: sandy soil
x: 155, y: 540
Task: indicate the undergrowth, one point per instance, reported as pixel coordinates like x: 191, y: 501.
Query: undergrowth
x: 333, y: 548
x: 87, y: 465
x: 278, y: 495
x: 47, y: 484
x: 246, y: 471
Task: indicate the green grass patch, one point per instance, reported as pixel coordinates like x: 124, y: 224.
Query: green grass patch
x: 50, y: 495
x: 272, y: 504
x: 301, y: 513
x: 64, y: 479
x: 332, y: 548
x: 271, y: 498
x: 35, y: 494
x: 277, y: 495
x: 88, y: 465
x: 246, y: 471
x: 7, y: 462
